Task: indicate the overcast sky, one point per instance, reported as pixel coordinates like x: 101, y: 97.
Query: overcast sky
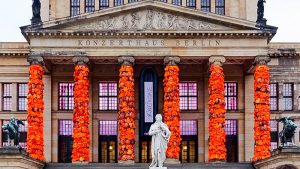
x: 284, y: 14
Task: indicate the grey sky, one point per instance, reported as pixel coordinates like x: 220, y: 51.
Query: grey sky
x: 284, y: 14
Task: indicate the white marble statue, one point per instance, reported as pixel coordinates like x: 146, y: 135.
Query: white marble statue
x: 160, y: 137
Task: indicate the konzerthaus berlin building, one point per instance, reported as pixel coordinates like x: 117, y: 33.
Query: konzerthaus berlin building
x: 148, y: 36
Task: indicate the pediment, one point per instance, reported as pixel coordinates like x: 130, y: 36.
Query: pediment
x: 149, y: 16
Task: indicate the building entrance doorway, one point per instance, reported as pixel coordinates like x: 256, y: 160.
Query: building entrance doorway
x: 231, y: 141
x: 148, y: 107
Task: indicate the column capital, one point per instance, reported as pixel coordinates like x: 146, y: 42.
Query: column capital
x: 216, y: 60
x: 81, y: 60
x: 262, y: 59
x: 171, y: 60
x: 126, y: 60
x: 35, y: 59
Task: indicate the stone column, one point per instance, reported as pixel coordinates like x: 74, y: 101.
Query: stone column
x: 216, y: 105
x: 262, y: 136
x: 171, y: 110
x: 35, y: 104
x: 126, y: 115
x: 249, y: 117
x: 81, y: 115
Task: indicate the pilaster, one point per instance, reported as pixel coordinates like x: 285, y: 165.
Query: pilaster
x: 47, y: 117
x: 14, y: 98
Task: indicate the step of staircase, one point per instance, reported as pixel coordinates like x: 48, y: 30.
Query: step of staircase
x: 146, y: 166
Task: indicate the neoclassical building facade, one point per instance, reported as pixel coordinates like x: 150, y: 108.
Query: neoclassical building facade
x: 148, y: 35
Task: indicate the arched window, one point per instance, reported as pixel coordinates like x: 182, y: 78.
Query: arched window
x: 220, y: 7
x: 205, y: 5
x: 89, y: 5
x: 75, y: 7
x: 103, y: 4
x: 176, y: 2
x: 191, y: 3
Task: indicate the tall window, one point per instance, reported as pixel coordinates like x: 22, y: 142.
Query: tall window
x: 7, y: 97
x: 75, y: 7
x: 274, y: 134
x: 188, y: 95
x: 65, y: 141
x: 130, y: 1
x: 108, y: 96
x: 188, y: 132
x: 103, y: 4
x: 66, y: 96
x: 205, y: 5
x: 22, y: 97
x: 163, y: 1
x: 23, y: 134
x: 231, y: 95
x: 118, y: 2
x: 288, y: 96
x: 191, y: 3
x: 89, y: 5
x: 273, y: 96
x: 220, y: 7
x: 108, y: 141
x: 231, y: 140
x: 176, y: 2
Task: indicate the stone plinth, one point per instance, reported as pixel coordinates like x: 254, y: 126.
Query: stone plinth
x: 157, y: 167
x: 17, y: 158
x: 281, y: 157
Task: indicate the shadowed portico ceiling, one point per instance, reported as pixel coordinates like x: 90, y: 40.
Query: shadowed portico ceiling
x: 147, y: 17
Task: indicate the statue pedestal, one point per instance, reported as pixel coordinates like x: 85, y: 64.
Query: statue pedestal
x: 172, y: 161
x: 280, y: 158
x: 157, y: 167
x: 128, y: 162
x: 17, y: 158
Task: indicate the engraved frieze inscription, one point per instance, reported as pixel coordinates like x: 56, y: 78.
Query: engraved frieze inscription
x: 148, y: 20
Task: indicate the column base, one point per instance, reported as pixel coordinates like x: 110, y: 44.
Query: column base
x: 218, y: 161
x: 172, y: 161
x: 80, y: 162
x: 128, y: 162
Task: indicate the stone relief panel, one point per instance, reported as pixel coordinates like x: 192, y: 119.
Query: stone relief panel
x: 148, y: 20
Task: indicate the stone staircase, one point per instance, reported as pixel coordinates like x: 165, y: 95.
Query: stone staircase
x: 146, y: 166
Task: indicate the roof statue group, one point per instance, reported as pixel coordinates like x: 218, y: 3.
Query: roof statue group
x: 13, y: 133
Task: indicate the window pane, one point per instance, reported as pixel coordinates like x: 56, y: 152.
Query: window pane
x: 22, y: 96
x: 89, y: 5
x: 205, y: 5
x: 288, y: 96
x: 220, y: 7
x: 108, y: 128
x: 130, y: 1
x: 231, y: 95
x: 274, y: 134
x: 108, y: 96
x: 273, y: 96
x: 65, y: 141
x: 188, y: 127
x: 75, y: 7
x: 118, y: 2
x: 7, y: 97
x: 103, y: 4
x: 176, y: 2
x: 191, y: 3
x: 188, y: 95
x: 231, y: 127
x: 66, y: 96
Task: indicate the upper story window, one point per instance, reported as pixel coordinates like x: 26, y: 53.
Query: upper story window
x: 191, y: 3
x: 22, y: 97
x: 75, y: 7
x: 130, y: 1
x: 188, y: 95
x: 220, y: 7
x: 66, y: 96
x: 103, y: 4
x: 89, y: 5
x: 188, y: 127
x: 163, y: 1
x: 108, y: 96
x: 231, y: 95
x: 118, y: 2
x: 288, y: 89
x: 177, y: 2
x: 273, y: 96
x: 7, y: 97
x: 205, y: 5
